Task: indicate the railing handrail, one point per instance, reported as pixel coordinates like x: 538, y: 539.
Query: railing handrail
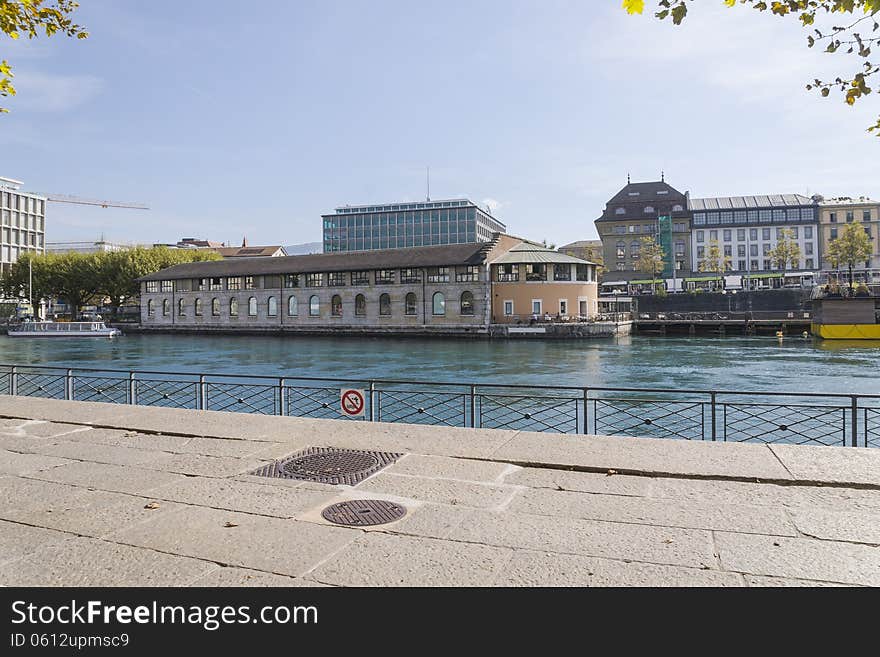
x: 463, y: 384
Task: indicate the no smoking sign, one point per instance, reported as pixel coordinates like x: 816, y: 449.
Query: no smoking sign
x: 351, y: 402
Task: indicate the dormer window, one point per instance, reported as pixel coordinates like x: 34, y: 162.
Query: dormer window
x: 620, y: 211
x: 677, y: 208
x: 649, y: 209
x: 662, y: 191
x: 632, y: 193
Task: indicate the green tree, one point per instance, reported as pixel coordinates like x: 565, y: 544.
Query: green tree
x: 29, y: 18
x: 787, y: 251
x: 715, y: 261
x: 593, y: 254
x: 650, y: 259
x: 16, y: 283
x: 855, y: 36
x: 852, y: 247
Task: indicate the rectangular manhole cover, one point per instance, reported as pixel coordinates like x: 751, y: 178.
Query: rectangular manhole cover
x: 327, y: 465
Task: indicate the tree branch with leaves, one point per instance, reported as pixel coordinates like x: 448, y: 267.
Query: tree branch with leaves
x: 855, y: 37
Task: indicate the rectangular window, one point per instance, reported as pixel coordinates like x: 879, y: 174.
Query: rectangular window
x: 385, y: 277
x: 741, y: 250
x: 713, y: 235
x: 741, y: 265
x: 765, y: 233
x: 754, y: 265
x: 808, y: 232
x: 701, y: 236
x: 410, y: 275
x: 167, y: 286
x: 701, y: 251
x: 582, y: 272
x: 728, y: 250
x: 809, y: 263
x: 753, y: 249
x: 808, y: 248
x: 360, y: 278
x: 314, y: 280
x: 832, y: 217
x: 507, y: 273
x: 794, y: 232
x: 216, y: 283
x: 766, y: 249
x: 467, y: 274
x: 438, y: 274
x: 508, y: 307
x: 866, y: 215
x: 561, y: 272
x: 249, y: 283
x: 850, y: 215
x: 184, y: 285
x: 152, y: 286
x: 536, y: 306
x: 536, y: 272
x: 834, y: 233
x: 753, y: 234
x: 233, y: 283
x: 728, y: 235
x: 336, y: 279
x: 203, y: 284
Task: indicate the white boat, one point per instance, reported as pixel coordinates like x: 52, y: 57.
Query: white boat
x: 33, y: 329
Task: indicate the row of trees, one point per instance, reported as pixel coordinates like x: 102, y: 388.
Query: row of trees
x: 83, y: 278
x: 851, y: 247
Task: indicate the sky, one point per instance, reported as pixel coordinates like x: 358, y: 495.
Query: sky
x: 236, y: 119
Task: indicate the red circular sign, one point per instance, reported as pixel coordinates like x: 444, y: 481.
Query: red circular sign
x: 352, y: 402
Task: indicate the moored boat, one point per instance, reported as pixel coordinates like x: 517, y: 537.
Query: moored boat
x: 34, y: 329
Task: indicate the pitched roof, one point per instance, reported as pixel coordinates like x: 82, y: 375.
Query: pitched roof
x: 656, y: 190
x: 742, y: 202
x: 249, y: 251
x: 421, y: 256
x: 528, y: 253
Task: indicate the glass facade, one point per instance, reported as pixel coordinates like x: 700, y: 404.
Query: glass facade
x: 365, y: 228
x: 22, y: 226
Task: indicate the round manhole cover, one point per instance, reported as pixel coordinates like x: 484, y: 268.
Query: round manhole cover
x: 361, y: 513
x: 331, y: 464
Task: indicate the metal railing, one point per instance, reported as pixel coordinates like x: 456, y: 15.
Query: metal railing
x: 726, y: 315
x: 709, y: 415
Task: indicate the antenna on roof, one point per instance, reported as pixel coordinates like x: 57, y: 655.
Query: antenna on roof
x: 662, y: 176
x: 428, y: 184
x: 627, y: 177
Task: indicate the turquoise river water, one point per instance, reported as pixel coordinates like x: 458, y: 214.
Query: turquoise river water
x: 721, y: 363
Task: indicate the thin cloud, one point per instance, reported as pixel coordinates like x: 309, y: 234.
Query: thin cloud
x: 44, y: 92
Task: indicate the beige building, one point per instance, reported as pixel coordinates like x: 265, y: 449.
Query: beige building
x: 530, y: 281
x: 835, y: 213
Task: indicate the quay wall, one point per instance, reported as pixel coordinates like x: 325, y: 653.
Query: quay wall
x: 742, y: 301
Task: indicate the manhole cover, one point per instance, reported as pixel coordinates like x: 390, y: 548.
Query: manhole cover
x: 329, y: 466
x: 362, y: 513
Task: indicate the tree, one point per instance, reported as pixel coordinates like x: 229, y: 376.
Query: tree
x: 850, y: 248
x: 593, y: 254
x: 650, y: 259
x: 850, y: 38
x: 29, y: 18
x: 787, y: 251
x: 715, y: 261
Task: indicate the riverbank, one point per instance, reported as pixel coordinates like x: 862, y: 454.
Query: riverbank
x: 146, y: 497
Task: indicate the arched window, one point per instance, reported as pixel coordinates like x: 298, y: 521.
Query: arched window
x: 410, y: 306
x: 181, y: 308
x: 384, y: 304
x: 439, y: 304
x: 314, y: 306
x: 215, y: 307
x: 198, y: 307
x: 151, y: 307
x: 166, y: 307
x: 620, y: 211
x: 233, y: 307
x: 336, y: 306
x: 649, y: 209
x: 621, y: 249
x: 360, y: 305
x: 252, y: 306
x: 273, y: 307
x: 677, y: 208
x: 292, y: 307
x: 467, y: 303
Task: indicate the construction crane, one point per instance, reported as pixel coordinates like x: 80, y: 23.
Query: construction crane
x: 66, y: 198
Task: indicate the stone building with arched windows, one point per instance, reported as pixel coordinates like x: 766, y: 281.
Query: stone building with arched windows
x: 445, y: 290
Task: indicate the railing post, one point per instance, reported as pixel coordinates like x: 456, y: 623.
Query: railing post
x: 13, y: 381
x: 68, y: 385
x: 855, y: 422
x: 372, y: 401
x: 202, y: 402
x: 282, y: 397
x: 712, y: 394
x: 473, y: 406
x: 586, y: 407
x: 132, y: 389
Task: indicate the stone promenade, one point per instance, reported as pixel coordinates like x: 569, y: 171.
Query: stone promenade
x: 105, y: 495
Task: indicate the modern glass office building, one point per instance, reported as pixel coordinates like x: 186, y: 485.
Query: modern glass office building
x: 22, y: 223
x: 399, y: 225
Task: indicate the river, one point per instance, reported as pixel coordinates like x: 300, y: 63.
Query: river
x: 721, y: 363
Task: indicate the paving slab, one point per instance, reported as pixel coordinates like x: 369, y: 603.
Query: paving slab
x: 91, y: 562
x: 222, y: 577
x: 16, y: 463
x: 245, y: 496
x: 663, y: 545
x: 760, y: 581
x: 50, y: 429
x: 586, y: 482
x: 856, y: 527
x: 18, y: 541
x: 445, y: 491
x: 125, y: 438
x: 286, y: 547
x: 644, y: 455
x: 421, y: 465
x: 831, y: 464
x: 377, y: 559
x: 799, y: 558
x: 23, y: 495
x: 528, y: 568
x: 650, y: 511
x: 103, y: 476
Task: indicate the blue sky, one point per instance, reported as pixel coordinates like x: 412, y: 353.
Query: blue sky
x: 230, y: 122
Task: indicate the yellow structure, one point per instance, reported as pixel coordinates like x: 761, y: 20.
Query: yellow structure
x: 853, y: 318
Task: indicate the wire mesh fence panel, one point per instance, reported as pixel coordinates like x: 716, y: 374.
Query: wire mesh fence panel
x: 5, y: 383
x: 100, y: 389
x: 49, y: 386
x: 324, y: 403
x: 529, y: 413
x: 871, y: 425
x: 442, y: 409
x: 242, y: 398
x: 797, y: 424
x: 167, y: 394
x: 652, y: 418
